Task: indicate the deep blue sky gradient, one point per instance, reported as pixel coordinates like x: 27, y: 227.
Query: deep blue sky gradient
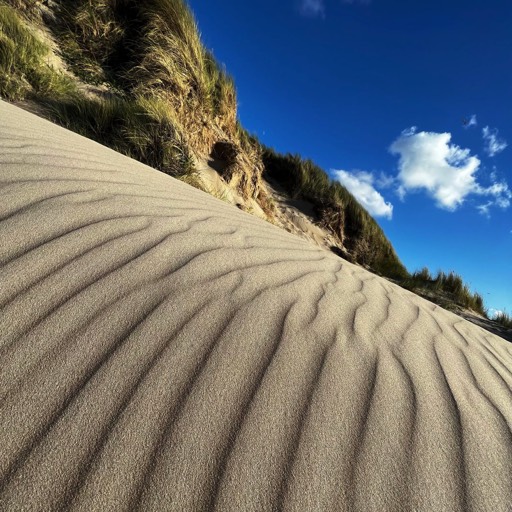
x: 341, y: 87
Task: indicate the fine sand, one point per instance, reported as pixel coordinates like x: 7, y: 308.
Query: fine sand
x: 162, y: 350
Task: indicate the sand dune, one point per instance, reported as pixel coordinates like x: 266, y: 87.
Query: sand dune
x: 161, y: 350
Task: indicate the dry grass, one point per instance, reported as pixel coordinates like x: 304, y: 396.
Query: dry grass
x: 24, y: 68
x: 151, y: 49
x: 162, y: 82
x: 143, y: 129
x: 503, y: 318
x: 150, y: 58
x: 338, y: 211
x: 89, y: 35
x: 447, y: 286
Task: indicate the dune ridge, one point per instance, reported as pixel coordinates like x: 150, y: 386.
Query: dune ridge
x: 161, y: 350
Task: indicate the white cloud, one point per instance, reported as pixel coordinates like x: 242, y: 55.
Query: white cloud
x: 472, y: 121
x: 428, y: 161
x: 500, y: 191
x: 312, y: 8
x: 468, y: 123
x: 484, y: 209
x: 409, y: 131
x: 360, y: 185
x: 385, y: 180
x: 493, y: 144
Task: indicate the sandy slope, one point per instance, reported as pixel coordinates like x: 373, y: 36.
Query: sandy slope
x: 162, y: 350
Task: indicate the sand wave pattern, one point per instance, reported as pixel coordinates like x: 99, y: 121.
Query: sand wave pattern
x: 161, y: 350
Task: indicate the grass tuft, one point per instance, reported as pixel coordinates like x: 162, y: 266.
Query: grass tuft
x: 161, y: 81
x: 143, y: 129
x: 503, y: 318
x: 338, y: 211
x: 450, y: 287
x: 154, y: 49
x: 23, y: 62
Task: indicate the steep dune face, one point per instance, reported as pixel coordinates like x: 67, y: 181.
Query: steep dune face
x: 162, y: 350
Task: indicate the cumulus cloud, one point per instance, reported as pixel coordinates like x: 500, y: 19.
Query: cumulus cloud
x: 312, y: 8
x: 360, y: 185
x: 493, y: 144
x: 428, y: 161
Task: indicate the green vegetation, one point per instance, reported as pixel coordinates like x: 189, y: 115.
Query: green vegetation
x: 27, y: 7
x: 447, y: 286
x: 504, y: 319
x: 141, y: 128
x: 337, y: 210
x: 149, y: 49
x: 24, y: 69
x: 150, y: 89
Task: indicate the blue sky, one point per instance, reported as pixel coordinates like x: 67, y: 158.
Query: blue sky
x: 408, y: 103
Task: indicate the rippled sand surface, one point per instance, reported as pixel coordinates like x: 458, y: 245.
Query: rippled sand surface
x: 161, y: 350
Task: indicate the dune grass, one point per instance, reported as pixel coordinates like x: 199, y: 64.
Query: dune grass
x: 143, y: 129
x: 450, y: 285
x: 88, y: 34
x: 150, y: 49
x: 158, y: 82
x: 29, y: 9
x: 24, y: 69
x: 160, y: 79
x: 504, y: 319
x: 338, y: 211
x: 171, y: 60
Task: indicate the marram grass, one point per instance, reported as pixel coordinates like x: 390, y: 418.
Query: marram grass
x: 24, y: 67
x: 142, y: 128
x: 450, y: 285
x: 338, y: 210
x: 503, y: 318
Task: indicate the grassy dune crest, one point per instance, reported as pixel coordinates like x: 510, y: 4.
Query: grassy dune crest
x: 142, y: 128
x: 503, y: 318
x: 147, y: 87
x: 449, y: 287
x: 338, y: 211
x: 150, y: 49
